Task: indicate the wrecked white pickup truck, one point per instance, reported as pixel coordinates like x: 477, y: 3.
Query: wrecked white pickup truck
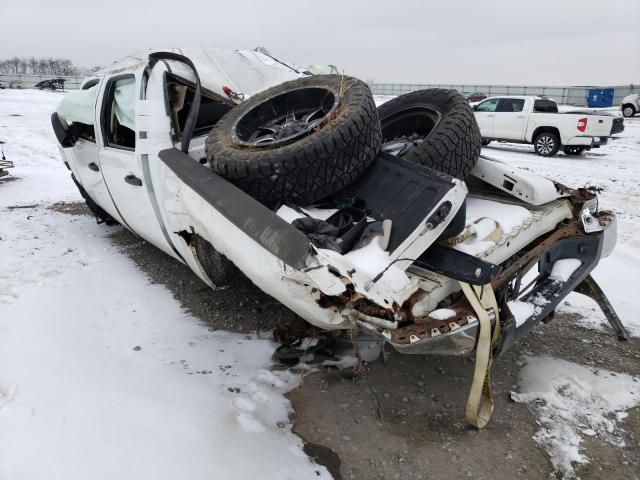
x: 383, y: 221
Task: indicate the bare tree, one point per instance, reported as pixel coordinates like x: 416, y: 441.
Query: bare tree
x: 42, y: 66
x: 33, y: 64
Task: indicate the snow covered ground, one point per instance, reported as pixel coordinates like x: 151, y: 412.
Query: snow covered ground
x: 574, y: 401
x: 102, y: 374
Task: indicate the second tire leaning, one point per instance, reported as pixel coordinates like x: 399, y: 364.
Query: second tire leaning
x: 444, y: 123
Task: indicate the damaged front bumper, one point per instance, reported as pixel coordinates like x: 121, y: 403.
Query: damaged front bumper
x: 586, y: 240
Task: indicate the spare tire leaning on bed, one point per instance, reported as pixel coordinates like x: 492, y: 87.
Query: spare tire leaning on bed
x: 433, y: 127
x: 299, y: 141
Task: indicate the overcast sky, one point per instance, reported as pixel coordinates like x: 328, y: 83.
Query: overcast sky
x: 551, y: 42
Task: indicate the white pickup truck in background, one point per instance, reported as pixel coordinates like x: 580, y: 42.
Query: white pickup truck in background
x: 532, y: 119
x: 630, y: 105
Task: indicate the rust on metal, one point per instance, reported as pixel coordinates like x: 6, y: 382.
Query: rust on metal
x: 425, y: 327
x: 605, y: 217
x: 577, y: 195
x: 428, y: 327
x: 571, y: 230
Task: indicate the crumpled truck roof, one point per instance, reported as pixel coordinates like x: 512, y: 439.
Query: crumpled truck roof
x: 244, y: 71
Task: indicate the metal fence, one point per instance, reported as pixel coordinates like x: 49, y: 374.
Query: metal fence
x: 563, y: 95
x: 29, y: 81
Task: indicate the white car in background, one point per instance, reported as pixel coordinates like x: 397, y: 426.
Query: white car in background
x: 533, y: 119
x: 630, y: 105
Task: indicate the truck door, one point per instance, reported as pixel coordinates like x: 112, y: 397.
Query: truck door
x: 510, y: 120
x: 165, y: 103
x: 85, y: 159
x: 485, y: 115
x: 120, y: 163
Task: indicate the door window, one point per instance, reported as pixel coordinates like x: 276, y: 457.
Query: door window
x: 118, y: 117
x: 488, y: 105
x: 511, y: 105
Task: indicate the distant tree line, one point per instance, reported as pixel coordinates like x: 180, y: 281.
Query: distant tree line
x: 42, y: 66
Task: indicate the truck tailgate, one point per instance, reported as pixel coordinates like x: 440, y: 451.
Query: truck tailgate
x: 420, y: 202
x: 590, y: 125
x: 598, y: 125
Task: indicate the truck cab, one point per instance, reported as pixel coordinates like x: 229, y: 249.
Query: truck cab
x: 133, y: 110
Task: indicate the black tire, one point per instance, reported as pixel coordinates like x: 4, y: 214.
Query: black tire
x: 573, y: 150
x: 546, y: 144
x: 485, y: 142
x: 628, y: 111
x: 444, y: 119
x: 307, y: 168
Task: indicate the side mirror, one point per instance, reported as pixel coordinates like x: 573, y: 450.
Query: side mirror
x: 475, y: 107
x: 64, y: 133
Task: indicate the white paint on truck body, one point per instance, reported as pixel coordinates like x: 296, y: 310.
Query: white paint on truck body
x: 163, y: 205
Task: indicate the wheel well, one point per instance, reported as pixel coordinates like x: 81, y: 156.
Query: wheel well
x: 214, y: 264
x: 540, y: 130
x: 98, y: 212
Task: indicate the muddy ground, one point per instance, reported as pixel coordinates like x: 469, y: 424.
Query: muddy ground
x: 404, y: 418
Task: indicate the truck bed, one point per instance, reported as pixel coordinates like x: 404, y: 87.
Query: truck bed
x: 391, y: 188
